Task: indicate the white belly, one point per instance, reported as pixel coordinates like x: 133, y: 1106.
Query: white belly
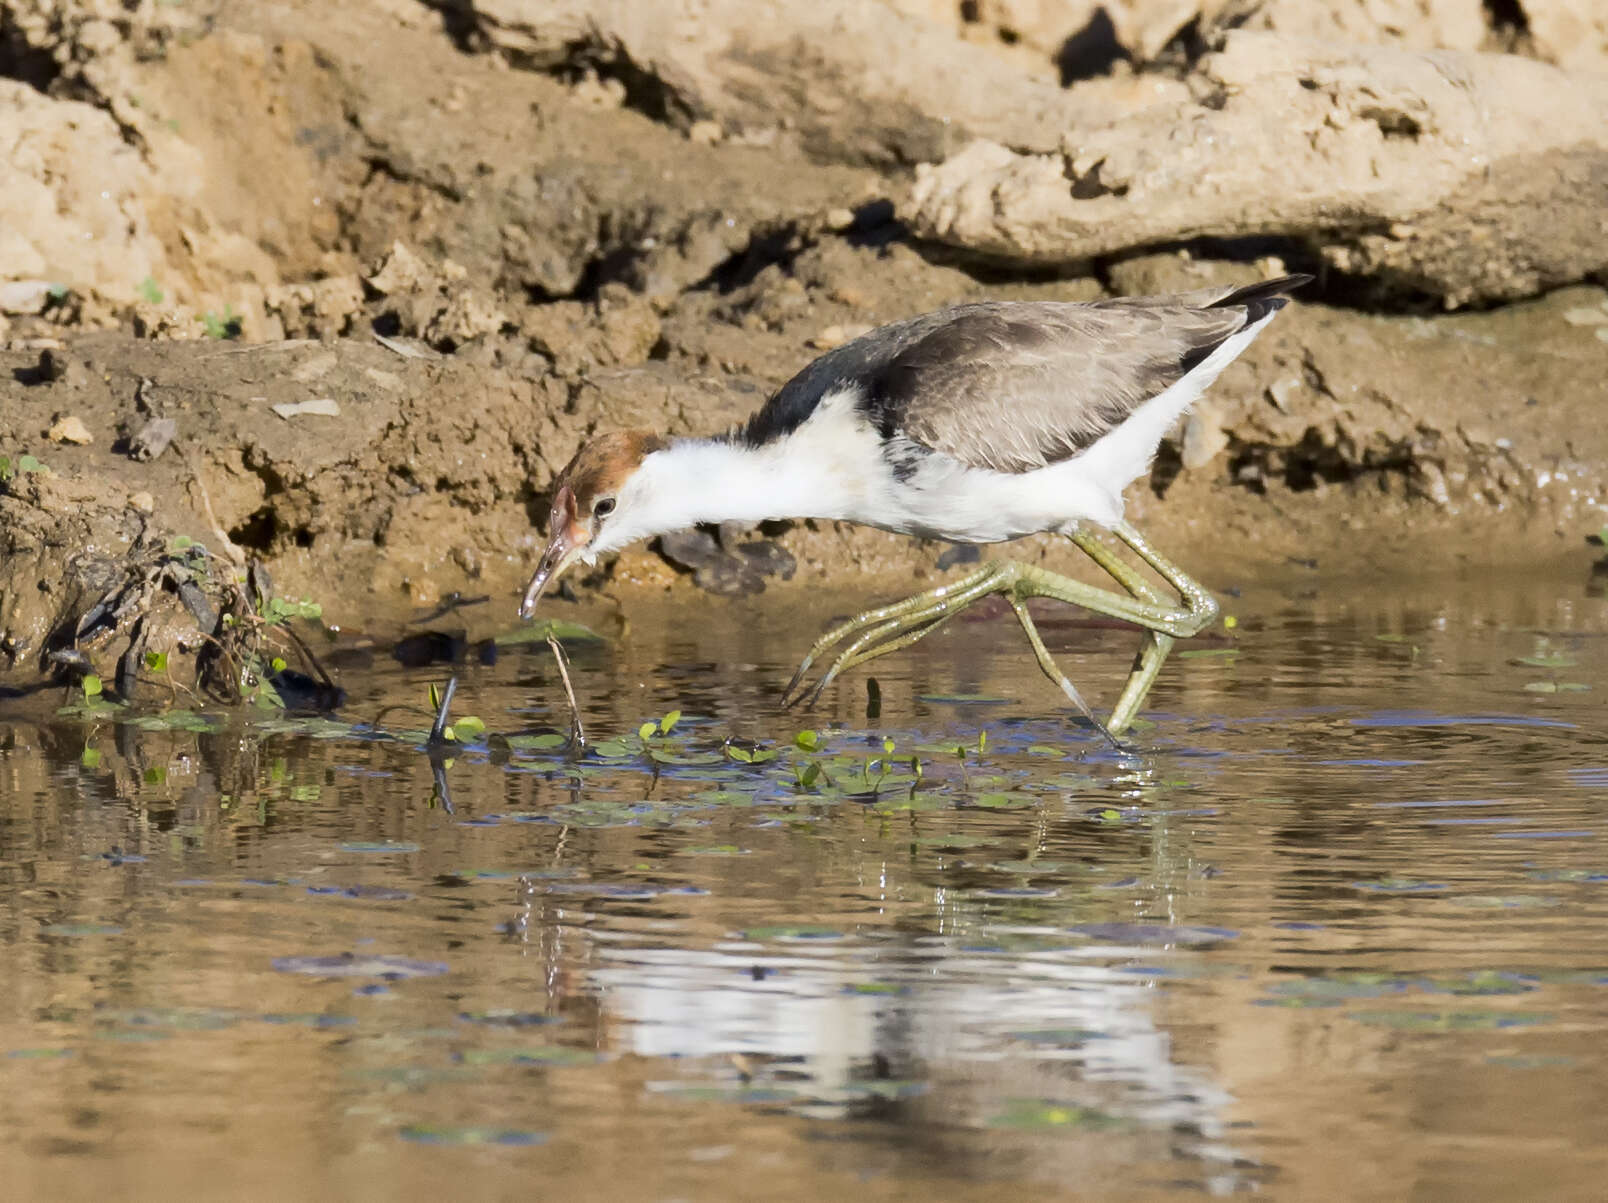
x: 945, y: 500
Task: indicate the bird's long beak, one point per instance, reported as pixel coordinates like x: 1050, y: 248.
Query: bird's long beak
x: 566, y: 541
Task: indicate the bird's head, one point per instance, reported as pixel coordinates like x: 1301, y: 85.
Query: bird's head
x: 600, y: 503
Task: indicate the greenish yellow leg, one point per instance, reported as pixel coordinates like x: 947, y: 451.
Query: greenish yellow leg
x: 900, y: 615
x: 1153, y: 646
x: 1052, y: 670
x: 889, y: 628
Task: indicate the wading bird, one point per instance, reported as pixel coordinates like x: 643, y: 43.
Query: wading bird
x: 976, y: 424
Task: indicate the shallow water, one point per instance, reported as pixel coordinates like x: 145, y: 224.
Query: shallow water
x: 1334, y: 929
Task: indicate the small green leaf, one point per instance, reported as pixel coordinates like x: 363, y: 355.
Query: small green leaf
x: 1547, y: 660
x: 669, y: 721
x: 435, y: 698
x: 808, y: 740
x: 741, y: 755
x: 448, y: 733
x: 278, y: 664
x: 469, y: 726
x: 28, y: 463
x: 810, y: 775
x: 91, y: 685
x: 157, y: 662
x: 887, y: 745
x: 982, y: 742
x: 647, y: 730
x: 90, y: 758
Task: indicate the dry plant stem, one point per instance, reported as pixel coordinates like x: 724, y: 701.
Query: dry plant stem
x: 438, y: 730
x: 236, y: 556
x: 577, y: 735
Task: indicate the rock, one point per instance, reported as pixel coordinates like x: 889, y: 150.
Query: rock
x: 851, y: 81
x: 151, y: 439
x: 1204, y: 438
x: 323, y: 407
x: 72, y: 207
x: 70, y: 429
x: 25, y: 296
x: 1571, y: 33
x: 402, y: 272
x: 1470, y: 178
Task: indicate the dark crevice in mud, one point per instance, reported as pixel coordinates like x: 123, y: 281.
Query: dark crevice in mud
x: 379, y: 163
x: 1507, y: 21
x: 24, y: 63
x: 257, y: 531
x: 460, y: 23
x: 1092, y: 51
x: 776, y: 246
x: 1309, y: 464
x: 645, y: 92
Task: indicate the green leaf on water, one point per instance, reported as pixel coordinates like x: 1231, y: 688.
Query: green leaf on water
x: 1547, y: 660
x: 90, y: 758
x: 469, y: 726
x: 539, y: 743
x: 537, y: 1054
x: 91, y: 685
x: 668, y: 723
x: 808, y: 741
x: 1003, y: 801
x: 792, y: 932
x: 888, y: 745
x: 537, y: 632
x: 647, y: 730
x: 739, y: 754
x: 1038, y: 1113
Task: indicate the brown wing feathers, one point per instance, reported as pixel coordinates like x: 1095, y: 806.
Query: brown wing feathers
x: 1014, y: 386
x: 1017, y: 386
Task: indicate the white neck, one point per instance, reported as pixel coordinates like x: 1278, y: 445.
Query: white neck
x: 712, y: 480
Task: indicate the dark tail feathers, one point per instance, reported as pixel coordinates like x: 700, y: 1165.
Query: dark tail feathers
x: 1262, y: 298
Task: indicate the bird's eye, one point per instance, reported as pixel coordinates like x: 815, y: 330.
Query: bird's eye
x: 603, y: 508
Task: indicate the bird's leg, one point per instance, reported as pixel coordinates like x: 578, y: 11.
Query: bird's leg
x: 895, y: 620
x: 879, y: 641
x: 1052, y: 670
x: 1163, y: 623
x: 889, y: 628
x: 1153, y: 645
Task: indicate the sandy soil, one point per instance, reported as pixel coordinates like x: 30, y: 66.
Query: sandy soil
x: 471, y: 256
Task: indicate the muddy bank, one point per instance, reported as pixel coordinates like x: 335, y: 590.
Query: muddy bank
x: 380, y: 308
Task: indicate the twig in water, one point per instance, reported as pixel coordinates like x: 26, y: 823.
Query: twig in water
x: 441, y: 711
x: 577, y: 735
